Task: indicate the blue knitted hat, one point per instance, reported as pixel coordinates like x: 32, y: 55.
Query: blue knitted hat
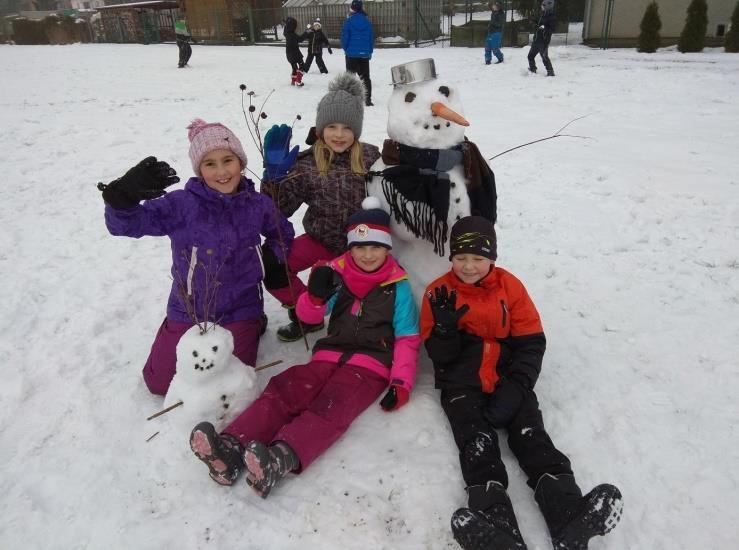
x: 371, y: 225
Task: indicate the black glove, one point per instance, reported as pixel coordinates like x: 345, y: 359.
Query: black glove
x: 330, y: 51
x: 505, y: 401
x: 275, y: 274
x: 321, y: 283
x: 444, y: 309
x: 147, y: 180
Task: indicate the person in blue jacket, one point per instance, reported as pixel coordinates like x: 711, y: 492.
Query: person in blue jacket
x: 357, y: 39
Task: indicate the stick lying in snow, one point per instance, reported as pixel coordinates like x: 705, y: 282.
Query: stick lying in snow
x: 555, y: 135
x: 268, y: 365
x: 152, y: 436
x: 163, y: 411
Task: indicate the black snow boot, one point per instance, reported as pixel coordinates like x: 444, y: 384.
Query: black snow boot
x: 532, y: 69
x: 574, y: 519
x: 550, y: 73
x: 222, y: 453
x: 265, y: 465
x: 291, y: 332
x: 489, y: 522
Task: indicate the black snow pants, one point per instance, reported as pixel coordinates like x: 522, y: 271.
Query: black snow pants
x: 360, y: 65
x: 319, y: 62
x: 541, y: 48
x: 477, y: 440
x: 185, y: 52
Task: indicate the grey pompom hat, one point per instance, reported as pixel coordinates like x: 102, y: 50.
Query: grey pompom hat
x: 344, y: 103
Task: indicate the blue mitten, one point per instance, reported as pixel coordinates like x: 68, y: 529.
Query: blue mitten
x: 278, y: 158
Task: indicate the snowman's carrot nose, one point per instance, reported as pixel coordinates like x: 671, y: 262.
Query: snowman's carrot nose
x: 439, y: 109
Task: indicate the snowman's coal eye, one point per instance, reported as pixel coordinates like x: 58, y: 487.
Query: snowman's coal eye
x: 444, y: 90
x: 215, y: 349
x: 194, y: 353
x: 409, y: 97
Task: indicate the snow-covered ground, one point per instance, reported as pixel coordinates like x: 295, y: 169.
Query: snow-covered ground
x: 626, y: 236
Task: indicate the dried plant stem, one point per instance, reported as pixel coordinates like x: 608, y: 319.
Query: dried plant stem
x: 268, y: 365
x: 165, y: 411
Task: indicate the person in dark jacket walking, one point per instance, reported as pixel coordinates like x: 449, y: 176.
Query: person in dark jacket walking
x: 215, y: 225
x: 316, y: 41
x: 371, y: 347
x: 329, y: 178
x: 495, y: 33
x: 292, y: 50
x: 542, y: 37
x: 358, y: 39
x: 183, y: 37
x: 485, y: 339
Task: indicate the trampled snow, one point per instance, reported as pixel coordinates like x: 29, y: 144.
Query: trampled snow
x: 626, y: 235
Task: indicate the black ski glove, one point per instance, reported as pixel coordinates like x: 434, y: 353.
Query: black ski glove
x: 147, y: 180
x: 321, y: 283
x: 505, y: 401
x: 330, y: 51
x: 275, y: 274
x: 444, y: 309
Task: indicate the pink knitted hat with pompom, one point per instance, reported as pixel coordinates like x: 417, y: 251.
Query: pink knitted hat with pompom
x: 209, y: 136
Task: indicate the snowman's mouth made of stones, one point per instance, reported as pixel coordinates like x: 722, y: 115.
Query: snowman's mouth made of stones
x: 437, y: 126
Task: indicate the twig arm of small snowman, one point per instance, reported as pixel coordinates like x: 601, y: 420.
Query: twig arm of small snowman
x: 555, y: 135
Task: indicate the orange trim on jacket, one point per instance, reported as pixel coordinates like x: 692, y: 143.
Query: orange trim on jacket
x: 500, y: 308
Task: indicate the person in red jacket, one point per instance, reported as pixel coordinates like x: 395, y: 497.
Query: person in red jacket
x: 485, y: 338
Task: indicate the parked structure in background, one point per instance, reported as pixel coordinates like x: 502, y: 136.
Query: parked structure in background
x: 140, y: 22
x: 615, y: 23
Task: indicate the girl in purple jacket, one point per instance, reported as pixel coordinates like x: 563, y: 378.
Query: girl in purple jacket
x: 329, y: 178
x: 214, y: 225
x: 371, y: 348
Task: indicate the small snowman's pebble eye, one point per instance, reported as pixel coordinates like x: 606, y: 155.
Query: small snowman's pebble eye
x: 194, y: 353
x: 409, y: 97
x: 444, y: 91
x: 215, y: 349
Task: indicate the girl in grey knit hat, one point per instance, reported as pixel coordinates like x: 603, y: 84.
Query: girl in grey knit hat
x: 329, y: 178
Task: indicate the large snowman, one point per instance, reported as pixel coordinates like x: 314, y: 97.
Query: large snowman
x: 429, y: 175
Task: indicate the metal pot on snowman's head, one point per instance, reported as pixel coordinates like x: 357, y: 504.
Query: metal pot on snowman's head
x: 424, y: 111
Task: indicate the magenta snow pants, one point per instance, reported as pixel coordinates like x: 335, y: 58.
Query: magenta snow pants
x: 304, y: 252
x: 308, y: 407
x: 161, y: 365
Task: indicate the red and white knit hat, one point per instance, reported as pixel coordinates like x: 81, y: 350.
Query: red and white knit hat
x: 209, y: 136
x: 371, y: 225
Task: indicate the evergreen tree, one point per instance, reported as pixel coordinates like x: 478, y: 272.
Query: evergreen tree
x: 731, y: 40
x: 693, y: 37
x: 650, y: 26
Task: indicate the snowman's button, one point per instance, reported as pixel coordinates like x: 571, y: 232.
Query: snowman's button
x: 452, y: 185
x: 457, y: 200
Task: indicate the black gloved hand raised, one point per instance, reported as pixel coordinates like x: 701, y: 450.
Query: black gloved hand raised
x: 444, y: 309
x: 505, y: 401
x: 322, y: 283
x: 147, y: 180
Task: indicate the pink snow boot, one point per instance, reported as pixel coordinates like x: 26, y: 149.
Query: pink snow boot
x: 222, y: 453
x: 265, y: 466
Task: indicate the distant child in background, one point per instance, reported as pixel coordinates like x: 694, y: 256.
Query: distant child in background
x: 495, y: 33
x: 542, y: 36
x: 316, y: 41
x: 372, y: 343
x: 485, y: 338
x: 215, y: 225
x: 183, y: 43
x: 329, y: 178
x: 292, y: 50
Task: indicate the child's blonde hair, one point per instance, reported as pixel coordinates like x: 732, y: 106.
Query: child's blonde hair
x: 324, y: 157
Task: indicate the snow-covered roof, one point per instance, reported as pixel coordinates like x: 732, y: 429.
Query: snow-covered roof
x: 151, y: 4
x: 307, y: 3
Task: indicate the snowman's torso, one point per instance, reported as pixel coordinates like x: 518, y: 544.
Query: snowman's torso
x: 416, y: 255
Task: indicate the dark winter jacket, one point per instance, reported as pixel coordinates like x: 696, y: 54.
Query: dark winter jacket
x: 357, y: 36
x: 497, y: 20
x: 212, y: 235
x: 501, y: 334
x: 316, y: 41
x: 546, y: 20
x: 373, y: 320
x: 330, y: 200
x: 292, y: 41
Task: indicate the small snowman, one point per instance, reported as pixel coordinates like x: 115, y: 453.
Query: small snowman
x: 212, y: 383
x: 429, y: 175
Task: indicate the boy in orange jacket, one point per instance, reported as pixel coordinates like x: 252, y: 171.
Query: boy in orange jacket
x: 485, y: 338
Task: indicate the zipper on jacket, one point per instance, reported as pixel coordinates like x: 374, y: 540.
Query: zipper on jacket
x: 505, y: 311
